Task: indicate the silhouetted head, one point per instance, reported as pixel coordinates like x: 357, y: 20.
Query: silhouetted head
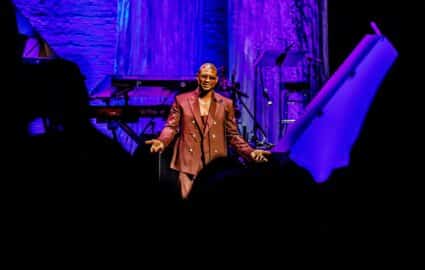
x: 55, y: 91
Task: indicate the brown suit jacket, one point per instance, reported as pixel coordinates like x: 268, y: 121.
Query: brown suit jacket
x: 185, y: 120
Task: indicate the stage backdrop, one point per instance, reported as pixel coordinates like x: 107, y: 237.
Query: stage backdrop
x: 172, y: 38
x: 175, y: 37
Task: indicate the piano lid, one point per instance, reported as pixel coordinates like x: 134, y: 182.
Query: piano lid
x: 34, y: 45
x: 140, y: 90
x: 113, y: 83
x: 170, y: 82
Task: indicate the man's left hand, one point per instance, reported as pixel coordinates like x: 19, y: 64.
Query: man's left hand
x: 259, y: 155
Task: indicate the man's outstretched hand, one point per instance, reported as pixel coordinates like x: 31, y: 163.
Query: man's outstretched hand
x: 259, y: 155
x: 156, y: 145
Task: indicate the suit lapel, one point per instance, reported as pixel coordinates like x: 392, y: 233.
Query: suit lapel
x: 194, y: 106
x: 218, y: 107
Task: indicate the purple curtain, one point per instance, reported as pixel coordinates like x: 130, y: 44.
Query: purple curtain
x: 158, y: 38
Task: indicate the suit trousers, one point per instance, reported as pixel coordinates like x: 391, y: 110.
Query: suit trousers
x: 185, y: 183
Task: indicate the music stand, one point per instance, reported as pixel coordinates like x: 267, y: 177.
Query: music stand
x: 273, y: 58
x: 288, y: 60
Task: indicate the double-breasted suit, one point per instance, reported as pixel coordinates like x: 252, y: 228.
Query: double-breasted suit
x: 198, y: 143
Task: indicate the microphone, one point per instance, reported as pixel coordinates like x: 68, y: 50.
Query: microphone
x: 279, y: 60
x: 266, y: 95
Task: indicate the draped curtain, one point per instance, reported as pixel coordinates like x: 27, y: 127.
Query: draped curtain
x: 158, y: 38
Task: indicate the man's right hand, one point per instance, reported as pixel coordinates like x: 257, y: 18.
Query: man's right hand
x: 156, y: 145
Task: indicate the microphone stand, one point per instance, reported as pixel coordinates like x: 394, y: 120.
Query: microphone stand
x: 238, y: 94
